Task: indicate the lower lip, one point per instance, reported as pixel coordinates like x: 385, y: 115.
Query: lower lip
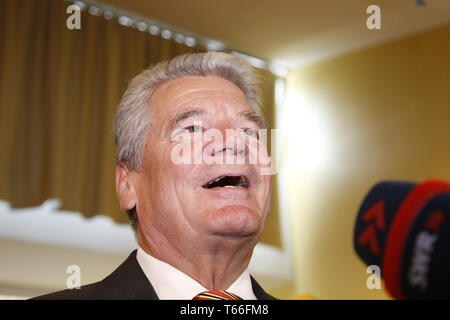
x: 221, y: 191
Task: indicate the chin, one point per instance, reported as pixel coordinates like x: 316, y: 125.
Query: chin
x: 232, y: 221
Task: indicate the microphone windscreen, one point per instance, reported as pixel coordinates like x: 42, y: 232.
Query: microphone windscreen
x: 375, y: 218
x: 425, y: 266
x: 404, y: 228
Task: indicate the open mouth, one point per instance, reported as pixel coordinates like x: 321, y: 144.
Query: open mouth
x: 228, y: 182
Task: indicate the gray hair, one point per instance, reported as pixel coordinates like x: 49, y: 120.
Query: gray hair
x: 133, y: 115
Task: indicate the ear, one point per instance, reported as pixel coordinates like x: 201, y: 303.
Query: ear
x: 124, y: 188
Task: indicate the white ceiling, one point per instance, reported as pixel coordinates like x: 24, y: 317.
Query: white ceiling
x: 294, y: 32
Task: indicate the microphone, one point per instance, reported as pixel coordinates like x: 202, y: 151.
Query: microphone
x: 404, y: 228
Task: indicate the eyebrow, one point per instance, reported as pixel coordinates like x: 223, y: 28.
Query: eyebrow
x: 183, y: 115
x: 254, y: 117
x: 186, y: 114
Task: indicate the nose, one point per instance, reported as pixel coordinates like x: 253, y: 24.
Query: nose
x: 233, y: 143
x: 228, y: 144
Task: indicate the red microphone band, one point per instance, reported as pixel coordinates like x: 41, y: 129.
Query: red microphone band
x: 399, y: 231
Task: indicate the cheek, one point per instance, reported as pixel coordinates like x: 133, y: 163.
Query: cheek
x: 168, y: 177
x: 180, y: 178
x: 186, y: 149
x: 265, y: 194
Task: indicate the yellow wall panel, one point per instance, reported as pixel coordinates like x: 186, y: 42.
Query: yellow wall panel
x: 382, y: 113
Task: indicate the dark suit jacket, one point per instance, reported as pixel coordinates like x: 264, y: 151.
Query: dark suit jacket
x: 127, y: 282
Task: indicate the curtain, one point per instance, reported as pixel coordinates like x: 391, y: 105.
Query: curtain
x: 58, y: 92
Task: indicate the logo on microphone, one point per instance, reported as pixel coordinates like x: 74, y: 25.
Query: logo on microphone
x: 423, y: 249
x: 375, y: 215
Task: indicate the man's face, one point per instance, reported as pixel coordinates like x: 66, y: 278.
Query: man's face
x: 175, y: 200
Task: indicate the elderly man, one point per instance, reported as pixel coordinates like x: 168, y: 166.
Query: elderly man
x: 197, y: 221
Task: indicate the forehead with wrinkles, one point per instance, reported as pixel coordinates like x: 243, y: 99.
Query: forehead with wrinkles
x: 199, y: 95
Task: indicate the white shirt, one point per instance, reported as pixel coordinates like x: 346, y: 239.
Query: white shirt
x: 173, y: 284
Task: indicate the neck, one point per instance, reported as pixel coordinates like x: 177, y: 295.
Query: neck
x: 216, y: 263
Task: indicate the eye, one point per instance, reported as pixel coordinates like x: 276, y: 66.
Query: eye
x: 194, y: 128
x: 250, y: 132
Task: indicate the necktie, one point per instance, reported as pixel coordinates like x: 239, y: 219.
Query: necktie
x: 216, y: 295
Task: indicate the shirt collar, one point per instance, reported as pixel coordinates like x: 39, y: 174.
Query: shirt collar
x: 171, y: 283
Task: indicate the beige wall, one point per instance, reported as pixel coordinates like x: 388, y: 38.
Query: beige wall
x: 381, y: 113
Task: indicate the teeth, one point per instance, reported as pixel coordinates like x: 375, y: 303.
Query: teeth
x: 242, y: 182
x: 229, y: 182
x: 210, y: 183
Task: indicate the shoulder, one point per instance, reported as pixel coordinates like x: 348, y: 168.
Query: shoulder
x: 83, y: 293
x: 127, y: 282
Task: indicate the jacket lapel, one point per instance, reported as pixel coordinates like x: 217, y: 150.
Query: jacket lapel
x: 259, y: 292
